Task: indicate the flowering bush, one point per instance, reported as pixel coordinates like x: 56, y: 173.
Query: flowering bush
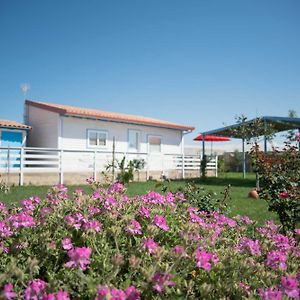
x: 279, y: 177
x: 109, y: 246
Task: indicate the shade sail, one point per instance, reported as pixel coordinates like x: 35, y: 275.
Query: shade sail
x: 212, y: 138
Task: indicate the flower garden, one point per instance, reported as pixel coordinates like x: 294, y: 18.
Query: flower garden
x: 108, y: 245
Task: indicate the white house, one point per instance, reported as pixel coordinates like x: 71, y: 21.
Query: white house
x: 80, y: 129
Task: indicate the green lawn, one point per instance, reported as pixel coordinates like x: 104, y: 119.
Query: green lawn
x: 239, y: 202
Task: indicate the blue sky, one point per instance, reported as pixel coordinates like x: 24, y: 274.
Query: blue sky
x: 195, y: 62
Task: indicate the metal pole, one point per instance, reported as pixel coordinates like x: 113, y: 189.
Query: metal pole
x: 203, y: 153
x: 244, y: 159
x: 265, y: 139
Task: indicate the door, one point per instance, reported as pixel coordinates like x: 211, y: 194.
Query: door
x: 11, y: 158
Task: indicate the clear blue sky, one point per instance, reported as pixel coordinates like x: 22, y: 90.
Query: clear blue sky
x: 195, y: 62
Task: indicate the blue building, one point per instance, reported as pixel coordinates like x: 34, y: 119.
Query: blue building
x: 12, y: 134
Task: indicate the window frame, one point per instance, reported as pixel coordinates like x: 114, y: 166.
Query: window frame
x: 97, y: 131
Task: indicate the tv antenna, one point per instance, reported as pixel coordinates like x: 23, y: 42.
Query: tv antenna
x: 25, y: 87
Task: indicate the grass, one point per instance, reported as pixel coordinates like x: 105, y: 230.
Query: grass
x: 239, y: 189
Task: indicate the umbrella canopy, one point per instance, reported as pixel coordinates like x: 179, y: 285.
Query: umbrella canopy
x: 212, y: 138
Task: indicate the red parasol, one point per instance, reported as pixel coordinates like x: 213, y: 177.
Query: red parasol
x: 212, y: 138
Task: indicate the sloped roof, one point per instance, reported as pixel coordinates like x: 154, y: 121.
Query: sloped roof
x: 108, y: 116
x: 277, y: 124
x: 13, y: 125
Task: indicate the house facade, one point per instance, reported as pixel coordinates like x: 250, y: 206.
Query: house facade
x: 78, y: 129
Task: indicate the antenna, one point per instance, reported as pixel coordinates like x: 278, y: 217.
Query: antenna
x: 25, y: 87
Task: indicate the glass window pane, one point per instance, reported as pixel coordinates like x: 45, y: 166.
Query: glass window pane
x: 101, y: 139
x: 133, y: 140
x: 93, y: 138
x: 154, y: 144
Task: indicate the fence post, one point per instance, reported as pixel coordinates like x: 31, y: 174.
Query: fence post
x: 216, y: 163
x: 182, y: 166
x: 8, y: 165
x: 21, y: 166
x: 95, y: 173
x: 61, y: 172
x: 147, y: 169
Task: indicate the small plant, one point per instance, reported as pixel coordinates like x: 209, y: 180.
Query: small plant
x: 126, y: 171
x: 4, y: 187
x: 205, y: 200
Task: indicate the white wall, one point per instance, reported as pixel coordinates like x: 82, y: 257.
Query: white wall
x: 74, y: 132
x: 45, y: 127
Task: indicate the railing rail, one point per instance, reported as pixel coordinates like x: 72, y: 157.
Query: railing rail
x: 22, y: 160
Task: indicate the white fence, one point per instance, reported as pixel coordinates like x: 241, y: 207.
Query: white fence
x: 46, y: 160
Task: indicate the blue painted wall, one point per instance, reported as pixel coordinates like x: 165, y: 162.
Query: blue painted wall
x: 9, y: 138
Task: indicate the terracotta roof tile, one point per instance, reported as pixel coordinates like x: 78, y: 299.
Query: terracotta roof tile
x: 13, y: 124
x: 110, y: 116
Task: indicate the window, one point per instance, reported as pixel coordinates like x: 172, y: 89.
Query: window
x: 133, y: 140
x: 154, y: 144
x: 97, y: 139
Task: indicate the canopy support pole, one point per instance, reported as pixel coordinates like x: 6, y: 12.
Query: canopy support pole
x: 203, y: 154
x: 265, y: 138
x: 244, y: 159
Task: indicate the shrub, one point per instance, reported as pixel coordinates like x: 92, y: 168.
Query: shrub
x: 279, y: 177
x: 155, y: 246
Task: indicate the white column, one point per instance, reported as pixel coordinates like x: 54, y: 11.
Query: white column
x: 21, y: 166
x: 182, y: 155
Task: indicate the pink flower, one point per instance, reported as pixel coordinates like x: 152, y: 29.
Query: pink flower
x: 144, y: 212
x: 290, y: 286
x: 150, y: 245
x: 75, y: 220
x: 79, y: 257
x: 48, y: 297
x: 134, y: 227
x: 3, y: 207
x: 35, y: 289
x: 21, y: 219
x: 5, y: 230
x: 8, y: 292
x: 102, y: 293
x: 205, y: 259
x: 132, y: 293
x: 297, y: 136
x: 67, y: 243
x: 161, y: 281
x: 283, y: 195
x: 160, y: 222
x: 297, y: 231
x: 62, y: 295
x: 246, y: 244
x: 28, y: 204
x: 116, y: 188
x: 110, y: 202
x: 270, y: 294
x: 93, y: 225
x: 179, y: 250
x: 276, y: 260
x: 246, y: 220
x: 117, y: 294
